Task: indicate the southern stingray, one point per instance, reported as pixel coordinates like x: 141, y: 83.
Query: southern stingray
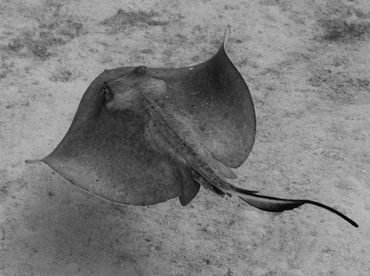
x: 142, y: 136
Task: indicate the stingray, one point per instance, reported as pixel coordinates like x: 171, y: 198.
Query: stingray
x: 142, y: 136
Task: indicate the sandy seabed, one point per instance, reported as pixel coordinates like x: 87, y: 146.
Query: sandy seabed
x: 307, y: 64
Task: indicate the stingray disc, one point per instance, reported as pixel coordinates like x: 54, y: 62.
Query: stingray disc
x: 136, y: 127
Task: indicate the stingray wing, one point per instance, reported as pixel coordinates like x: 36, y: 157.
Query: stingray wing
x: 213, y: 102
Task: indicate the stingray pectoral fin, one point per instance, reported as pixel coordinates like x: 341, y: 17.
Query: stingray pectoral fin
x: 273, y: 204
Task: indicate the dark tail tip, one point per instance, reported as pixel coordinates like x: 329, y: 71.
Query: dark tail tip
x: 332, y: 210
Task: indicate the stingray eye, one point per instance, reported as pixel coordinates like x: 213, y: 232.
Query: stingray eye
x: 107, y: 93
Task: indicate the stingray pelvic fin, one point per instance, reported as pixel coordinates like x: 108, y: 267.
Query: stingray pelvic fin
x: 221, y: 188
x: 190, y: 187
x: 206, y: 184
x: 274, y: 204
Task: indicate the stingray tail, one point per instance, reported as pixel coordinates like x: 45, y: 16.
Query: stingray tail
x: 274, y: 204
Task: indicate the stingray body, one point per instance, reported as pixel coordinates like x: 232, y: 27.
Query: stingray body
x: 142, y: 135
